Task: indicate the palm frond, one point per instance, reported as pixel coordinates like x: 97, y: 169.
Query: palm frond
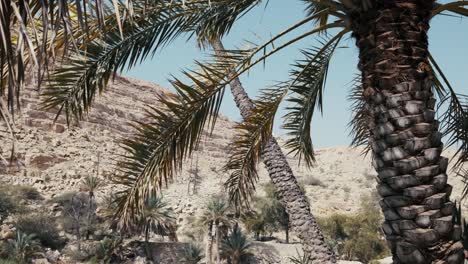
x: 455, y: 7
x: 160, y: 147
x: 307, y: 85
x: 219, y: 19
x: 454, y: 121
x: 359, y: 123
x: 73, y: 86
x: 325, y: 8
x: 253, y: 134
x: 27, y: 32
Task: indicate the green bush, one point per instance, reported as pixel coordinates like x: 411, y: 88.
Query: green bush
x: 107, y: 250
x: 63, y: 199
x: 7, y: 205
x: 25, y: 192
x: 7, y: 261
x: 191, y: 254
x: 356, y: 237
x: 43, y: 227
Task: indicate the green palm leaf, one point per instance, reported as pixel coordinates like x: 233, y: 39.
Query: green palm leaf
x: 219, y: 19
x: 73, y: 86
x: 307, y: 85
x: 253, y: 134
x: 455, y: 7
x: 160, y: 148
x: 359, y: 123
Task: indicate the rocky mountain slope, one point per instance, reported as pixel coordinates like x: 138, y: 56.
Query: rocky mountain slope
x: 54, y: 158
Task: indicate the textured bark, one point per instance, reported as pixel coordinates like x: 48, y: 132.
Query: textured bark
x: 209, y: 245
x: 406, y: 144
x: 292, y: 197
x: 218, y: 257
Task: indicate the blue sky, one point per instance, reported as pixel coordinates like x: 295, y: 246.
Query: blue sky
x: 448, y: 43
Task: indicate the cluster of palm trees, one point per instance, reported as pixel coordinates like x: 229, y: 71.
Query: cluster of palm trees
x: 394, y: 117
x: 225, y: 240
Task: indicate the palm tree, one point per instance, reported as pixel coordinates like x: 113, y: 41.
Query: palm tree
x: 23, y: 247
x: 235, y: 247
x: 90, y: 184
x: 192, y: 254
x: 157, y: 218
x: 215, y: 218
x: 395, y: 108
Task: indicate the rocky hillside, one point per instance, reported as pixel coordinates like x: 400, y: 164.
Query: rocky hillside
x: 54, y: 158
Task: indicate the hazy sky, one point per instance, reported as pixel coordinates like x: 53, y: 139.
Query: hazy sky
x: 448, y: 43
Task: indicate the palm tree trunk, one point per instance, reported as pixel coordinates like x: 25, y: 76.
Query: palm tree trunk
x: 88, y: 217
x: 291, y: 196
x: 147, y: 242
x: 217, y: 243
x: 404, y: 136
x: 209, y: 245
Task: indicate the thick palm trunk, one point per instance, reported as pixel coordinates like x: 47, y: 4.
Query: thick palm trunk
x: 294, y: 200
x: 404, y: 136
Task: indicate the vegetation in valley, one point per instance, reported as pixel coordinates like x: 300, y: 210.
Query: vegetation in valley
x: 357, y: 236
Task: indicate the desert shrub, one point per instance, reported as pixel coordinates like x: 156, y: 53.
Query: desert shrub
x: 43, y: 227
x: 356, y: 237
x: 269, y: 215
x: 79, y: 215
x: 195, y: 230
x: 256, y: 224
x: 7, y: 205
x: 311, y: 180
x: 191, y: 254
x: 25, y: 192
x: 107, y: 251
x: 63, y: 199
x: 7, y: 261
x: 301, y: 258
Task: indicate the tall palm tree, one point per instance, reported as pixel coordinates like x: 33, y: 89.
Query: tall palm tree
x: 215, y: 217
x: 396, y: 94
x: 279, y: 171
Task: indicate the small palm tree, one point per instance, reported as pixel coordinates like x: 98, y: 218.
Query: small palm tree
x: 235, y: 247
x: 156, y: 218
x: 191, y: 254
x: 90, y: 184
x: 215, y: 217
x: 23, y: 247
x: 301, y: 258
